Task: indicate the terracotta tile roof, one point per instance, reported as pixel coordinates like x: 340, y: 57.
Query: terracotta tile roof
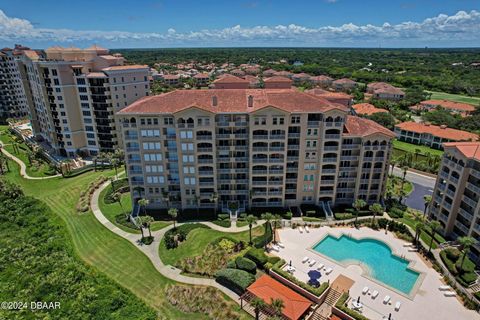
x: 356, y: 126
x: 450, y: 105
x: 267, y: 288
x: 231, y: 101
x: 277, y: 79
x: 201, y: 75
x: 328, y: 94
x: 238, y: 71
x: 344, y: 81
x: 127, y: 67
x: 367, y: 109
x: 96, y: 75
x: 301, y: 75
x: 321, y: 78
x: 228, y: 78
x: 470, y: 150
x: 283, y: 73
x: 251, y: 79
x: 438, y: 131
x: 110, y: 57
x: 171, y: 76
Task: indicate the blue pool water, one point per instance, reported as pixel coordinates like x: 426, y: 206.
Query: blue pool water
x: 376, y: 255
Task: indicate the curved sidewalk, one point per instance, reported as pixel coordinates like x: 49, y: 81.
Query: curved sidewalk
x: 23, y: 167
x: 151, y: 251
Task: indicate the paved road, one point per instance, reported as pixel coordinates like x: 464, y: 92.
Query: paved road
x: 422, y: 185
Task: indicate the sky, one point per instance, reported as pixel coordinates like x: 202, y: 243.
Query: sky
x: 231, y: 23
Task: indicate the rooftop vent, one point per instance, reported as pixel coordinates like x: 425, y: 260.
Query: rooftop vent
x: 214, y: 101
x: 250, y: 101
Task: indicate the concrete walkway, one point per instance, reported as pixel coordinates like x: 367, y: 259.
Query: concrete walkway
x: 233, y: 228
x: 151, y: 251
x: 23, y: 167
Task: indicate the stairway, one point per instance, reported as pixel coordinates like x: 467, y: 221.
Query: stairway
x: 332, y: 297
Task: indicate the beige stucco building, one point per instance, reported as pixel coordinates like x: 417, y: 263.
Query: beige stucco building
x: 456, y: 197
x: 74, y: 94
x: 255, y: 147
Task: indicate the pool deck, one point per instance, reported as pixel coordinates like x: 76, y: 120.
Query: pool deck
x: 426, y: 301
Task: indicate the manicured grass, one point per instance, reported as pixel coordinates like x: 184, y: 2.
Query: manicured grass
x: 425, y: 236
x: 7, y: 138
x: 99, y: 247
x: 197, y: 241
x: 112, y: 210
x: 455, y: 97
x: 241, y: 223
x: 397, y: 183
x: 410, y: 147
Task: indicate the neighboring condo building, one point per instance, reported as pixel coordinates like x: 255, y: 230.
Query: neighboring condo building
x: 430, y: 135
x: 13, y: 98
x: 254, y: 147
x: 75, y: 94
x: 456, y: 197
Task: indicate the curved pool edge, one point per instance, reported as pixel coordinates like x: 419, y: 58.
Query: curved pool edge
x: 411, y: 263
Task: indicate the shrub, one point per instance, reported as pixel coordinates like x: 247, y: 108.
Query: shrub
x: 273, y: 260
x: 468, y: 277
x: 452, y: 253
x: 227, y: 245
x: 181, y: 233
x: 222, y: 223
x: 257, y: 256
x: 287, y: 215
x: 223, y: 216
x: 396, y: 212
x: 246, y: 264
x: 341, y: 305
x: 313, y: 290
x: 231, y: 264
x: 234, y: 279
x: 266, y: 237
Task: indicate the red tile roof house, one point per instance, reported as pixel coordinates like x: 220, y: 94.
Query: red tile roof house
x: 301, y: 77
x: 277, y: 82
x: 334, y: 97
x: 344, y: 84
x: 237, y: 72
x: 252, y: 70
x: 254, y: 82
x: 171, y: 79
x: 322, y: 81
x: 269, y: 73
x: 201, y: 78
x: 430, y: 135
x: 454, y: 107
x: 228, y: 81
x: 386, y: 91
x: 366, y: 109
x: 284, y: 74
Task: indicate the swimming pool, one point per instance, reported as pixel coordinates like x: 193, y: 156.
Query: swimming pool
x: 381, y: 264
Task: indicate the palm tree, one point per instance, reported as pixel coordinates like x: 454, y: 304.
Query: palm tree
x: 166, y: 197
x: 417, y: 152
x: 146, y: 221
x: 404, y: 170
x: 277, y: 305
x: 276, y: 223
x: 251, y: 220
x: 173, y: 212
x: 257, y: 304
x: 419, y: 227
x: 143, y: 203
x: 114, y: 162
x: 393, y: 163
x: 427, y: 199
x: 376, y: 208
x: 466, y: 243
x: 434, y: 225
x: 267, y: 216
x: 117, y: 197
x: 358, y: 204
x: 197, y: 203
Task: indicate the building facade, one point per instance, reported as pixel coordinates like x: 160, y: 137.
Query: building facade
x: 74, y: 94
x: 253, y: 147
x: 13, y: 98
x: 456, y: 196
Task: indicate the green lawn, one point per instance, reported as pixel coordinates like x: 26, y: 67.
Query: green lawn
x: 111, y: 210
x: 425, y: 236
x: 397, y: 183
x: 99, y: 247
x: 197, y: 241
x: 410, y: 147
x: 38, y: 171
x: 455, y: 97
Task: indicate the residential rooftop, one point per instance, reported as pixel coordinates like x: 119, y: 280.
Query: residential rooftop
x: 470, y: 150
x: 367, y: 109
x: 438, y: 131
x: 447, y: 104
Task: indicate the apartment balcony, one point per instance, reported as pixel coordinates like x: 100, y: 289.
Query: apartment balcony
x: 205, y: 160
x: 329, y: 160
x: 260, y: 149
x: 185, y: 125
x: 329, y: 171
x: 472, y: 203
x: 291, y: 180
x: 345, y: 190
x: 275, y: 182
x: 241, y: 135
x: 206, y: 183
x: 259, y: 171
x: 277, y: 148
x: 352, y: 158
x: 133, y: 149
x: 378, y: 170
x: 443, y: 175
x: 225, y: 170
x: 134, y: 161
x: 261, y: 183
x: 293, y: 135
x: 442, y: 186
x: 313, y: 123
x: 260, y: 137
x: 204, y: 149
x: 275, y: 193
x: 276, y: 171
x: 205, y: 137
x: 327, y: 182
x: 223, y: 135
x: 464, y: 213
x: 293, y: 147
x: 276, y: 160
x: 259, y: 193
x: 453, y: 179
x: 369, y: 159
x: 277, y: 137
x: 475, y: 173
x: 241, y: 123
x: 330, y: 148
x: 460, y: 226
x: 291, y: 190
x: 292, y: 169
x: 438, y: 198
x: 450, y: 193
x: 325, y: 192
x: 131, y: 137
x: 267, y: 204
x: 207, y: 205
x: 332, y: 136
x: 447, y: 205
x: 260, y: 160
x: 205, y: 173
x: 347, y: 179
x: 473, y: 188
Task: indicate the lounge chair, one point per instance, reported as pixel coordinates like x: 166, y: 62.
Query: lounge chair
x: 386, y: 299
x: 320, y: 267
x: 281, y: 245
x: 412, y: 250
x: 398, y: 305
x: 365, y: 290
x: 407, y: 244
x: 449, y: 293
x: 328, y: 270
x: 444, y: 288
x: 374, y: 294
x: 305, y: 259
x: 275, y: 247
x: 300, y: 229
x: 307, y: 229
x: 312, y: 262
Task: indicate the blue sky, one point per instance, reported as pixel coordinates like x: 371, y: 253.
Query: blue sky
x: 153, y: 23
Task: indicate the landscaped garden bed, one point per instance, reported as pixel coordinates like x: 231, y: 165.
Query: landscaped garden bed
x: 463, y: 272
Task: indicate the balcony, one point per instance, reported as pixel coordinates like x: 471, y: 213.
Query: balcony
x: 293, y: 147
x: 352, y: 158
x: 204, y: 149
x: 276, y: 171
x: 205, y: 160
x: 205, y: 173
x: 133, y: 149
x: 260, y: 137
x: 460, y: 226
x: 291, y: 180
x: 223, y: 135
x: 260, y: 149
x: 464, y: 213
x: 454, y: 180
x: 293, y: 135
x: 205, y: 137
x: 473, y: 188
x: 277, y: 148
x: 323, y: 192
x: 329, y: 160
x: 277, y: 137
x: 330, y: 148
x: 332, y: 136
x: 275, y: 182
x: 475, y: 173
x: 313, y: 123
x: 291, y: 190
x: 256, y: 183
x: 260, y: 160
x: 469, y: 201
x: 450, y: 193
x: 276, y: 160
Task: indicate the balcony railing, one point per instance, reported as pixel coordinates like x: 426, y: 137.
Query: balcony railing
x: 332, y: 136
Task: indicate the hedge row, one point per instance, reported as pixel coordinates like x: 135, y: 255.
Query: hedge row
x: 313, y: 290
x: 257, y: 256
x: 265, y: 238
x: 84, y: 201
x: 246, y: 264
x: 341, y: 305
x: 235, y: 279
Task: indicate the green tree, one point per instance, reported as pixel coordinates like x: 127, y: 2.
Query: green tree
x: 417, y: 152
x: 117, y: 197
x: 466, y: 243
x: 384, y: 119
x: 146, y: 222
x: 214, y: 199
x: 427, y: 200
x: 173, y: 213
x: 433, y: 225
x: 358, y: 204
x: 143, y: 203
x: 267, y: 216
x: 376, y: 209
x: 419, y: 227
x: 277, y: 305
x: 257, y: 305
x: 276, y: 224
x: 251, y: 220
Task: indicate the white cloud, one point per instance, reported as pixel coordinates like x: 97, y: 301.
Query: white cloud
x: 462, y: 26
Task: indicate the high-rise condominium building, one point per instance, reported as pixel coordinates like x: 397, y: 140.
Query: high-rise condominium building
x: 75, y: 94
x: 253, y: 147
x: 456, y: 197
x: 13, y: 98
